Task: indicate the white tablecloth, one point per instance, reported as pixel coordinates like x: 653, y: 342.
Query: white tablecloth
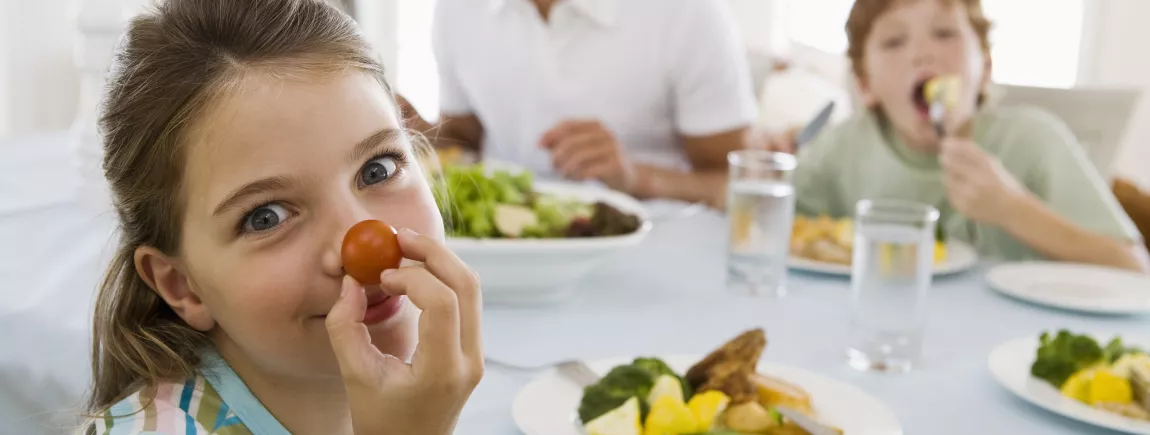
x: 663, y: 297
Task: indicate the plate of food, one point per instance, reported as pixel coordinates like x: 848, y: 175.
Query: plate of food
x: 1079, y: 377
x: 1077, y: 287
x: 531, y: 241
x: 727, y: 392
x: 826, y: 245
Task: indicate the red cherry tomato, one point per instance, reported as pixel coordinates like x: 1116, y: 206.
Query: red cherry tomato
x: 369, y: 248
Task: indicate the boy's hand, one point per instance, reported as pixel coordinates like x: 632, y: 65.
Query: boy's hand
x: 780, y: 142
x: 976, y: 183
x: 585, y: 149
x: 388, y: 396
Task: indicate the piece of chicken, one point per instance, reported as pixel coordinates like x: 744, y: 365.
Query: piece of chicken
x: 729, y: 367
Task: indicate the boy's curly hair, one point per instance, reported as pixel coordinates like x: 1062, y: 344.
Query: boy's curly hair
x: 864, y: 13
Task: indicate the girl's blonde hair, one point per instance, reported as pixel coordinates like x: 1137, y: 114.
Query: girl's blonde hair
x: 173, y: 63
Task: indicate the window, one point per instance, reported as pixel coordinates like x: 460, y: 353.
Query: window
x: 1026, y: 51
x: 417, y: 75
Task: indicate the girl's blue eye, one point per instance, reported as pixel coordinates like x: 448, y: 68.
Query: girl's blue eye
x: 265, y: 218
x: 378, y: 170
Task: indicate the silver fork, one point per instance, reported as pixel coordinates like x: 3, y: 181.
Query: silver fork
x: 574, y: 370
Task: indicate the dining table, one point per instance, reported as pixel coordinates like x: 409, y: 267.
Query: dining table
x: 664, y: 296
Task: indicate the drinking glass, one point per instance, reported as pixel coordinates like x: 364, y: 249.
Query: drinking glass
x: 890, y: 277
x: 760, y: 211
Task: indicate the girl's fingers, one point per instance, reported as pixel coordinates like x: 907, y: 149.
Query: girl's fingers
x: 439, y: 342
x: 463, y: 281
x: 349, y: 337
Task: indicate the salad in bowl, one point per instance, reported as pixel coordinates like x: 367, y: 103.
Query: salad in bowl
x: 532, y: 241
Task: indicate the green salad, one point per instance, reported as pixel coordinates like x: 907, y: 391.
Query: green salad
x: 477, y: 203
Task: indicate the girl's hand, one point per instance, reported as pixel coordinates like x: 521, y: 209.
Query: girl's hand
x: 977, y: 184
x: 388, y: 396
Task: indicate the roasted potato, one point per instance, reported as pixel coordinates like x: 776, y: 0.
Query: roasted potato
x: 749, y: 418
x: 776, y: 392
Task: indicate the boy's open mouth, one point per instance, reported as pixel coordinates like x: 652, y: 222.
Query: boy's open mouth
x: 918, y: 96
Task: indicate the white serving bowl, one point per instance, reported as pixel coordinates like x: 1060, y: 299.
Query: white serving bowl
x: 539, y: 271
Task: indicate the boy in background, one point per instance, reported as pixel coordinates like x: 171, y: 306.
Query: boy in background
x: 1013, y: 182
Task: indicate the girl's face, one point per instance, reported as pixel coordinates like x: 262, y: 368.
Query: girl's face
x: 915, y: 41
x: 278, y: 172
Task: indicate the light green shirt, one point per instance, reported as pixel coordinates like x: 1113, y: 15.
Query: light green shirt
x: 862, y: 159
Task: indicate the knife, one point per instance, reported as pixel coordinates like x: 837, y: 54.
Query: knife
x: 816, y: 124
x: 808, y: 424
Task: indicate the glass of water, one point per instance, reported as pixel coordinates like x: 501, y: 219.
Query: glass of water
x: 890, y: 277
x: 760, y: 211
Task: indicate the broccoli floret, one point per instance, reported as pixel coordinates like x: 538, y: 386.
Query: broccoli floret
x: 599, y: 399
x: 656, y: 367
x: 1115, y: 349
x: 1084, y: 350
x: 1060, y: 356
x: 630, y: 378
x: 1053, y: 370
x: 620, y: 384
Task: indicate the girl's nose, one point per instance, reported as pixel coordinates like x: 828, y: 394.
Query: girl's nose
x: 341, y: 221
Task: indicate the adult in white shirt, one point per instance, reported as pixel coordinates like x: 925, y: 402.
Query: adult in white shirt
x: 647, y: 96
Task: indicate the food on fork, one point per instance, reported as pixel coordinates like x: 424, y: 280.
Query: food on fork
x: 943, y: 90
x: 722, y: 394
x: 369, y: 248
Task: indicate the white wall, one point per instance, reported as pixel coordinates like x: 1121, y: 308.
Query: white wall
x: 39, y: 85
x: 1121, y: 58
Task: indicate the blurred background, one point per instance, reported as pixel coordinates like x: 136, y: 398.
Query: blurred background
x: 1081, y: 53
x: 1086, y: 61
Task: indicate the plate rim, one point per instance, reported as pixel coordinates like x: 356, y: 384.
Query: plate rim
x: 998, y: 362
x: 993, y: 280
x: 881, y: 406
x: 945, y: 269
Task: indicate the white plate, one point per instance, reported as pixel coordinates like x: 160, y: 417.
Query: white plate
x: 547, y: 406
x: 1075, y: 287
x: 544, y: 271
x: 959, y: 257
x: 1010, y: 365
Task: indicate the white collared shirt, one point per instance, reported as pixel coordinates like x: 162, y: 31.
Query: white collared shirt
x: 649, y: 70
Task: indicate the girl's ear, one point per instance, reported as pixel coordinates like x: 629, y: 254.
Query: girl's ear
x: 165, y: 276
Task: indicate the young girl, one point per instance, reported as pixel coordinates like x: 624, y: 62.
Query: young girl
x: 1011, y: 181
x: 243, y: 139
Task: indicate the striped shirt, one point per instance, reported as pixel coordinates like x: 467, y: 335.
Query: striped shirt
x: 214, y: 402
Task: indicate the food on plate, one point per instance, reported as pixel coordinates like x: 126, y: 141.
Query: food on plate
x: 500, y: 204
x: 777, y: 392
x: 369, y: 248
x: 623, y: 420
x: 943, y: 89
x: 1112, y: 378
x: 831, y: 240
x: 708, y: 406
x: 722, y: 394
